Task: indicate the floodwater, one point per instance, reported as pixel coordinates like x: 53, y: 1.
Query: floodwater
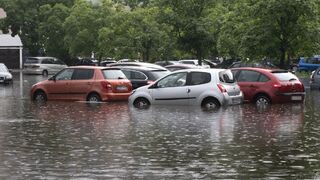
x: 76, y: 140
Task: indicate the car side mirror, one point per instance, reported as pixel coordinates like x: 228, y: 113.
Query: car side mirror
x: 153, y: 86
x: 53, y: 78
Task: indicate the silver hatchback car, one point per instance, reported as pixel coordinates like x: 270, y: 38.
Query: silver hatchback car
x: 208, y: 88
x: 43, y: 65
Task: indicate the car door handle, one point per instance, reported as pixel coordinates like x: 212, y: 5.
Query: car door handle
x: 188, y: 90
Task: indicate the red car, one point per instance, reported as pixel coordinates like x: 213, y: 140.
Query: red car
x: 265, y: 86
x: 86, y: 83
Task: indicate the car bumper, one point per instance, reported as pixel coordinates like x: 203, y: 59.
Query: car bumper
x: 289, y: 97
x: 232, y: 100
x: 33, y: 71
x: 115, y: 96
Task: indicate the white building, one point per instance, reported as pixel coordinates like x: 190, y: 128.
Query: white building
x: 11, y: 51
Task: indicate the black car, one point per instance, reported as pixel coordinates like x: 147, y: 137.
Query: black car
x: 141, y: 76
x: 136, y: 64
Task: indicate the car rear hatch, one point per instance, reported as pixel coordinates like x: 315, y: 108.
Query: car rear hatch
x: 227, y: 83
x: 32, y: 63
x: 116, y: 81
x: 288, y: 82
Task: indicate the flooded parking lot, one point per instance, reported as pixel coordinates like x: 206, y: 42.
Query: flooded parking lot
x: 63, y: 140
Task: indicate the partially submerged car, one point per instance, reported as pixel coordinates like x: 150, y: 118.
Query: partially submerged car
x: 208, y: 88
x: 43, y: 65
x: 5, y: 75
x: 84, y: 83
x: 266, y: 86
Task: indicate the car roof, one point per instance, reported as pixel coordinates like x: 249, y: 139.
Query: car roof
x: 41, y: 57
x: 142, y: 68
x: 201, y: 70
x: 258, y: 69
x: 145, y: 64
x: 183, y: 65
x: 91, y: 67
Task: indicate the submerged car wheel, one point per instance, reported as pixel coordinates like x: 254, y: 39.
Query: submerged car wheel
x: 45, y: 73
x: 262, y: 100
x: 40, y: 96
x: 94, y: 98
x: 210, y: 104
x: 141, y: 103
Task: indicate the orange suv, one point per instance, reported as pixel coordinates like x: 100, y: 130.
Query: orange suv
x: 87, y: 83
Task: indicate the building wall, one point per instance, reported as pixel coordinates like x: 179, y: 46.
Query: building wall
x: 10, y: 57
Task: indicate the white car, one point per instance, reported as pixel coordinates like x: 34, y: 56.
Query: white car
x: 205, y: 63
x: 43, y: 65
x: 208, y: 88
x: 5, y: 75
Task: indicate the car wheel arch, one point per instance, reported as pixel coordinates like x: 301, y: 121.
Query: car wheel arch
x: 38, y: 91
x: 208, y: 98
x: 262, y: 94
x: 91, y: 93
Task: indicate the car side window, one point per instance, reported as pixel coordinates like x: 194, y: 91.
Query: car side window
x: 127, y: 73
x: 197, y: 78
x: 263, y: 78
x: 82, y: 74
x: 65, y: 74
x: 173, y: 80
x: 138, y: 75
x: 248, y: 76
x: 46, y: 61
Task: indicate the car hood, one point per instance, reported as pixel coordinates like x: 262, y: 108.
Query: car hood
x: 6, y: 74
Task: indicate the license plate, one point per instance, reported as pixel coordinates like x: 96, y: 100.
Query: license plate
x: 296, y: 98
x: 236, y: 101
x: 122, y: 88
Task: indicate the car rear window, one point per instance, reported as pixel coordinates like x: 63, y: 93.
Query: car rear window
x: 32, y: 61
x: 113, y: 74
x: 284, y: 75
x: 159, y: 74
x: 226, y: 76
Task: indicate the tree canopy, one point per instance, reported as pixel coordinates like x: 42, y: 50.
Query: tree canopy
x: 166, y: 29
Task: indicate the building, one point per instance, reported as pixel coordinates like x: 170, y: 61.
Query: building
x: 11, y: 51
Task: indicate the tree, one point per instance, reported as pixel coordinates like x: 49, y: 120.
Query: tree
x: 51, y: 30
x: 23, y: 19
x: 273, y: 29
x: 191, y: 25
x: 81, y: 29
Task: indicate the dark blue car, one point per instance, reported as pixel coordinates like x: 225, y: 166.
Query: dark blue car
x: 309, y: 64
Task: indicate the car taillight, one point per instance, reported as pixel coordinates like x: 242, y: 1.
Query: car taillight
x: 276, y: 85
x: 221, y: 88
x: 106, y: 85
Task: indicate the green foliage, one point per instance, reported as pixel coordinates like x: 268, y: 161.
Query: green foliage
x: 167, y: 29
x: 51, y: 31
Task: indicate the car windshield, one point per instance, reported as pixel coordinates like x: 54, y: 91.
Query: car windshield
x: 113, y: 74
x: 159, y: 73
x: 226, y: 76
x: 3, y: 68
x: 284, y: 76
x: 32, y: 61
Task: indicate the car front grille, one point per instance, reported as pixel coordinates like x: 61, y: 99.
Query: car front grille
x: 1, y: 78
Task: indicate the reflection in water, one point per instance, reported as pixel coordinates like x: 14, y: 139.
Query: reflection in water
x: 63, y: 140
